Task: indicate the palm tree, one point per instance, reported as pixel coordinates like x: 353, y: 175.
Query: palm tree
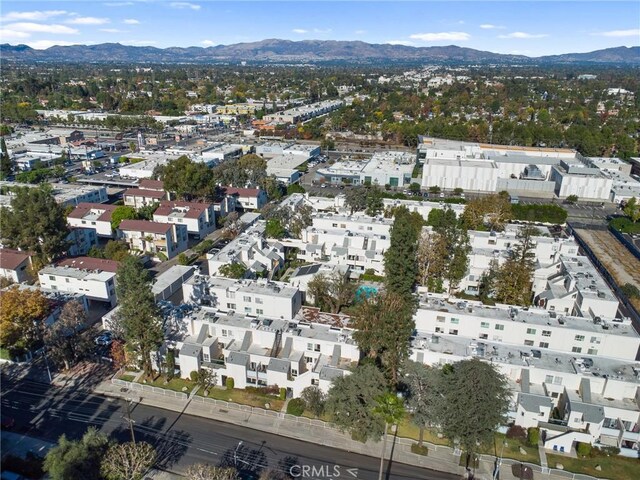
x: 391, y: 409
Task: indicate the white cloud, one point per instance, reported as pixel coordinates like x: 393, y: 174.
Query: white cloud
x: 42, y: 44
x: 360, y: 32
x: 6, y: 34
x: 35, y: 15
x: 491, y: 26
x: 40, y: 28
x: 111, y: 30
x: 406, y: 43
x: 191, y: 6
x: 88, y: 21
x: 634, y: 32
x: 131, y: 21
x: 440, y: 36
x: 299, y: 30
x: 322, y: 30
x: 524, y: 35
x: 207, y: 43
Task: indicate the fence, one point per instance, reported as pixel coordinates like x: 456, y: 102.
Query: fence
x: 630, y: 246
x: 139, y: 387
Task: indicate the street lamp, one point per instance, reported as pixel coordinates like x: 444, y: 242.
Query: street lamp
x: 499, y: 463
x: 44, y: 349
x: 235, y: 454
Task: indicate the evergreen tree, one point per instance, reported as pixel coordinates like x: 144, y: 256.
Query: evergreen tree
x: 424, y: 394
x: 6, y: 167
x: 400, y: 259
x: 139, y: 317
x: 513, y: 278
x: 74, y: 459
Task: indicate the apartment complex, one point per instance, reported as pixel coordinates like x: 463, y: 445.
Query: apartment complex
x: 168, y: 239
x: 14, y: 265
x: 305, y: 112
x: 95, y: 216
x: 199, y: 218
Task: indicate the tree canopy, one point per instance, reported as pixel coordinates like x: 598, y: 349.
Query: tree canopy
x: 400, y: 259
x: 20, y: 308
x: 331, y: 292
x: 74, y: 459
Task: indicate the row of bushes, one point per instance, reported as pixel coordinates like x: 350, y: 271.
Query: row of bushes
x: 530, y: 435
x: 539, y: 213
x: 625, y: 225
x: 588, y: 450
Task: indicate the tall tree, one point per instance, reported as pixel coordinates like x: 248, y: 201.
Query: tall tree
x: 374, y: 202
x: 19, y: 310
x: 139, y: 317
x: 314, y: 400
x: 632, y: 209
x: 331, y: 292
x: 430, y: 257
x: 475, y: 402
x: 128, y: 461
x: 187, y: 179
x: 350, y: 399
x: 120, y: 213
x: 204, y: 471
x: 384, y: 324
x: 400, y: 259
x: 65, y: 341
x: 424, y: 396
x: 74, y: 459
x: 35, y: 222
x: 492, y: 211
x: 356, y: 199
x: 514, y: 276
x: 391, y: 409
x: 6, y: 167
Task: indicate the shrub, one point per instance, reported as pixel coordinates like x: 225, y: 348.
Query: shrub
x: 630, y: 290
x: 229, y: 383
x: 283, y: 393
x: 517, y: 432
x: 533, y: 436
x: 295, y: 407
x: 183, y: 259
x: 539, y: 213
x: 608, y: 450
x: 583, y: 449
x: 193, y: 376
x: 161, y: 256
x: 419, y: 450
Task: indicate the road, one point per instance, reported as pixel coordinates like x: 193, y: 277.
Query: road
x: 46, y: 412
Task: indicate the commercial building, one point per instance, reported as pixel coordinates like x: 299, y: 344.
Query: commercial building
x: 92, y: 277
x: 168, y: 239
x: 305, y: 112
x: 199, y: 218
x: 287, y: 168
x: 384, y: 168
x: 575, y: 178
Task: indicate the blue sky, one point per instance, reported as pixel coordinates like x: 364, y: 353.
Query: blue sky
x: 521, y: 27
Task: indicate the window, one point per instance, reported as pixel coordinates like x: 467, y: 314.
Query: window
x: 258, y: 301
x: 595, y: 340
x: 259, y: 311
x: 453, y: 331
x: 231, y: 306
x: 543, y: 344
x: 483, y: 336
x: 440, y: 319
x: 294, y: 373
x: 592, y: 351
x: 455, y: 321
x: 226, y: 333
x: 546, y: 333
x: 316, y: 347
x: 246, y: 299
x: 579, y: 338
x: 548, y: 379
x: 484, y: 324
x: 576, y: 349
x: 528, y: 343
x: 531, y: 331
x: 439, y: 330
x: 66, y: 280
x: 308, y: 359
x: 499, y: 326
x: 231, y: 295
x: 247, y: 309
x: 205, y: 357
x: 52, y: 278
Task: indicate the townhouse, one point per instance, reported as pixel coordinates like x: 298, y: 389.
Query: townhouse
x: 159, y: 239
x: 96, y: 216
x: 252, y: 250
x: 357, y: 241
x: 199, y: 218
x: 92, y: 277
x: 14, y: 265
x: 248, y: 198
x: 148, y: 192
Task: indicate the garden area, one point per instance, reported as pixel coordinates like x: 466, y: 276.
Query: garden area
x: 599, y: 465
x: 255, y: 397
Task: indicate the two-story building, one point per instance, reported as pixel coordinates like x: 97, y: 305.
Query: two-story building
x: 199, y: 218
x: 96, y: 216
x: 167, y: 239
x: 148, y: 192
x: 248, y: 198
x: 14, y: 265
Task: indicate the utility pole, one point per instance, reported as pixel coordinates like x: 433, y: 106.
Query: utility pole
x: 130, y: 420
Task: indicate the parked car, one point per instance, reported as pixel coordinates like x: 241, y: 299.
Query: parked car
x: 105, y: 338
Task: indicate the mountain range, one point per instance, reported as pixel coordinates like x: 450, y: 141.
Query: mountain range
x: 307, y: 51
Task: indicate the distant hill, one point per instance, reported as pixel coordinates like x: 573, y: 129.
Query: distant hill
x: 310, y: 51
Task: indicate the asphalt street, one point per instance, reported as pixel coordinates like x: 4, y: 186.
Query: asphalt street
x: 46, y: 412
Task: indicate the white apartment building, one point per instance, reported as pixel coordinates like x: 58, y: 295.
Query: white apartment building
x: 66, y: 193
x: 249, y: 297
x: 356, y: 241
x: 169, y: 239
x: 252, y: 250
x: 199, y: 218
x: 265, y: 351
x: 96, y: 216
x: 141, y: 197
x: 92, y: 277
x: 248, y: 198
x: 14, y: 265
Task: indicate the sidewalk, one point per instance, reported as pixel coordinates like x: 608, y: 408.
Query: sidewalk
x: 439, y: 457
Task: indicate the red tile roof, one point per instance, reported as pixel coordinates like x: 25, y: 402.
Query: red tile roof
x: 90, y: 263
x: 243, y: 192
x: 141, y: 192
x: 84, y: 208
x: 11, y: 259
x: 193, y: 209
x: 148, y: 184
x: 144, y: 226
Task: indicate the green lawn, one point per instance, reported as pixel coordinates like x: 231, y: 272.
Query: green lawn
x: 127, y: 378
x: 614, y: 467
x: 175, y: 384
x: 408, y: 430
x: 245, y: 398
